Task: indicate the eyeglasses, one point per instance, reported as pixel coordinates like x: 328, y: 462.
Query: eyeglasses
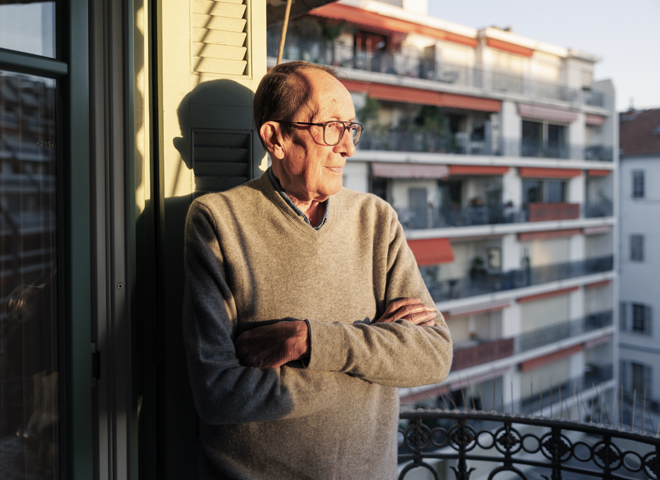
x: 333, y: 131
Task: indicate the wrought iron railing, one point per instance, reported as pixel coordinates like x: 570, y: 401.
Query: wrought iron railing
x: 481, y: 283
x: 525, y: 447
x: 346, y: 56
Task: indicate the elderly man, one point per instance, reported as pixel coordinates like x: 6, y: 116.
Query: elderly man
x: 305, y: 309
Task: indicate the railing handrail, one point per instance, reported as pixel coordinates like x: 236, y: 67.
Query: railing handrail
x: 514, y: 443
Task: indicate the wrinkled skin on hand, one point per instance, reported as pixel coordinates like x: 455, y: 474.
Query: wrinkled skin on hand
x: 273, y: 345
x: 411, y: 310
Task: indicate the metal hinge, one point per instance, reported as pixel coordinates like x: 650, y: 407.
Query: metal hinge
x: 96, y: 365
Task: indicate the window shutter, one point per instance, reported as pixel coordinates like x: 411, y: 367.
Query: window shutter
x: 221, y: 159
x: 218, y: 40
x: 648, y: 320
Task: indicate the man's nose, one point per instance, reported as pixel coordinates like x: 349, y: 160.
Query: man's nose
x: 345, y: 145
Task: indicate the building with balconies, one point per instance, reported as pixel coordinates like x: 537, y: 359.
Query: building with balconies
x: 499, y: 153
x: 639, y: 264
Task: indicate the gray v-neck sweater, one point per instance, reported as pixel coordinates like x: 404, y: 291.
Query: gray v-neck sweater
x: 251, y: 260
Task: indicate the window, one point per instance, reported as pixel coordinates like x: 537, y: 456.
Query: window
x: 543, y: 139
x: 637, y: 248
x: 641, y: 318
x: 543, y: 191
x: 638, y: 183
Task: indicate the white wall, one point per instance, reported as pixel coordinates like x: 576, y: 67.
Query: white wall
x: 544, y: 312
x: 599, y: 245
x: 547, y: 252
x: 356, y: 176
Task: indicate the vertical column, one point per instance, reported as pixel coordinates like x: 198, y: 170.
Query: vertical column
x: 512, y: 188
x: 576, y: 138
x: 511, y: 129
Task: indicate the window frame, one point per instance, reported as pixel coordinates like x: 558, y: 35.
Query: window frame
x: 638, y: 184
x: 636, y: 247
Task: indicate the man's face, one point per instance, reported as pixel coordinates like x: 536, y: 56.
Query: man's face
x: 309, y: 169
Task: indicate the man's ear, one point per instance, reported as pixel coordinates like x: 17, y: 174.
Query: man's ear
x: 271, y: 134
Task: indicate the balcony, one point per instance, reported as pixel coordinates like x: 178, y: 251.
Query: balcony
x: 544, y: 212
x: 343, y: 55
x: 485, y: 283
x: 604, y: 208
x: 560, y: 434
x: 491, y: 350
x: 417, y: 139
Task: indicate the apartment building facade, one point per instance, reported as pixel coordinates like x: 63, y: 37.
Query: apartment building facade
x: 638, y: 199
x: 499, y: 154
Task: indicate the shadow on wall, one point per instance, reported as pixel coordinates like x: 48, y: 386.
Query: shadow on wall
x: 218, y: 111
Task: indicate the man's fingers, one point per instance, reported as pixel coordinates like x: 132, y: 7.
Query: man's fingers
x: 419, y: 317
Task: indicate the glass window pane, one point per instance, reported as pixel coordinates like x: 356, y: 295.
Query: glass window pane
x: 28, y: 27
x: 29, y: 383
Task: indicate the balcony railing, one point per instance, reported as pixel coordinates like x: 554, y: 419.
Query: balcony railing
x: 604, y: 208
x: 346, y: 56
x: 580, y: 442
x: 432, y: 217
x: 485, y: 283
x: 491, y: 350
x: 544, y: 212
x: 462, y: 143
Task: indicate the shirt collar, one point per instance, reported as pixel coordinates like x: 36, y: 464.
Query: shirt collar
x: 278, y: 187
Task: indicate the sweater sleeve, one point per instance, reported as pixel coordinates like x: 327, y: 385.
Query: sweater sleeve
x: 224, y: 391
x: 397, y: 354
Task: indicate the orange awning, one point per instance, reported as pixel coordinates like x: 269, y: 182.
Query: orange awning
x: 509, y: 47
x: 409, y: 170
x: 533, y: 172
x: 549, y: 358
x: 379, y: 22
x: 540, y: 296
x: 397, y: 93
x: 548, y: 234
x: 476, y: 170
x: 598, y: 173
x: 431, y: 251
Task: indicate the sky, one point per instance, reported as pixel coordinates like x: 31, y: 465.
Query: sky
x: 625, y: 34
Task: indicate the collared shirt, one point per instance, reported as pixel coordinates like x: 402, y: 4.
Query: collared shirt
x: 278, y: 187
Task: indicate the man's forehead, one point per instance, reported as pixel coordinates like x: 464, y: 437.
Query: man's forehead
x: 327, y: 95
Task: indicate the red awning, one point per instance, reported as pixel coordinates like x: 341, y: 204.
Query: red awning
x: 409, y: 170
x: 533, y: 172
x: 509, y: 47
x: 397, y: 93
x: 431, y: 251
x: 591, y: 119
x: 540, y: 296
x: 598, y: 173
x: 549, y: 358
x: 376, y: 21
x: 482, y: 308
x: 476, y: 170
x: 546, y: 113
x: 548, y: 234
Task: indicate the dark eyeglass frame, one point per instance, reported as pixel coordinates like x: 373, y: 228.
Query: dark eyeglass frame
x: 347, y: 126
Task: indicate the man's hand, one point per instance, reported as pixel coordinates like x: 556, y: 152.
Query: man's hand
x: 410, y: 309
x: 273, y: 345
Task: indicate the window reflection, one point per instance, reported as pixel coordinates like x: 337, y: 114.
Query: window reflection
x: 28, y: 27
x: 29, y: 383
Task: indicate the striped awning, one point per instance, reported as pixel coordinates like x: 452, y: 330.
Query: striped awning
x: 477, y: 170
x: 535, y: 172
x: 548, y: 234
x: 546, y: 113
x: 549, y: 358
x: 480, y: 308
